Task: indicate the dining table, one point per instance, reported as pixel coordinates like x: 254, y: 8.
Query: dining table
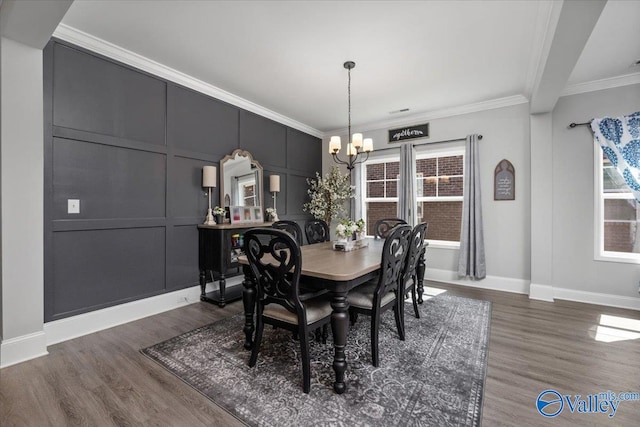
x: 336, y: 271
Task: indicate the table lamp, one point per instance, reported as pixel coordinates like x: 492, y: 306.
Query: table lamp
x: 274, y: 187
x: 209, y: 180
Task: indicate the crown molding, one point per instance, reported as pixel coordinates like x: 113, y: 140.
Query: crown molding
x: 492, y: 104
x: 110, y: 50
x: 608, y: 83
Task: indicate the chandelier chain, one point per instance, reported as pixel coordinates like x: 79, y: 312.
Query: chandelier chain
x: 349, y: 102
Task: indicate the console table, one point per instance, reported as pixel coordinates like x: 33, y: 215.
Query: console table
x: 218, y: 253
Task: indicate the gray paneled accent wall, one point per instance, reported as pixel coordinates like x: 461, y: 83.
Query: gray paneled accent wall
x: 131, y: 146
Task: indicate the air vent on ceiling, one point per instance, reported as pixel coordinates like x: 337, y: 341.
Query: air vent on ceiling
x: 404, y: 110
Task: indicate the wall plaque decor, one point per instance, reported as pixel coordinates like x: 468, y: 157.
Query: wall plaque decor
x: 504, y: 181
x: 409, y: 132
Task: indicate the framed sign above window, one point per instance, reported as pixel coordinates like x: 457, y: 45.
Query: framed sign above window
x: 409, y: 132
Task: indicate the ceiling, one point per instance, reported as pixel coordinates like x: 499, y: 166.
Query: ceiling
x: 426, y: 56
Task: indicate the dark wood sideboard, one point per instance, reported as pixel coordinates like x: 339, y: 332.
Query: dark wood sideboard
x: 218, y: 256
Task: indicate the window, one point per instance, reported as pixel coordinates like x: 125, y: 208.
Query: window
x: 439, y: 183
x: 380, y: 196
x: 617, y: 215
x: 440, y: 180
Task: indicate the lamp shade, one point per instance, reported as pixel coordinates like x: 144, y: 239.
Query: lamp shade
x: 274, y: 183
x: 209, y: 176
x: 334, y: 144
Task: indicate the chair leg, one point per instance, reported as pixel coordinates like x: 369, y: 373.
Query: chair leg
x: 257, y: 342
x: 325, y: 333
x: 353, y: 317
x: 318, y: 334
x: 375, y: 325
x: 398, y: 313
x: 306, y: 364
x: 415, y: 302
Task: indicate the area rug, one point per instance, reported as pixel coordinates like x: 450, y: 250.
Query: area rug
x: 433, y: 378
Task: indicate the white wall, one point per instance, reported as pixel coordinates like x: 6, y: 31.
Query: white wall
x: 507, y: 223
x: 21, y: 169
x: 574, y: 266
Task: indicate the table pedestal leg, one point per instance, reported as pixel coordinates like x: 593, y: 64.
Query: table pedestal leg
x: 249, y: 302
x: 340, y: 327
x: 420, y: 268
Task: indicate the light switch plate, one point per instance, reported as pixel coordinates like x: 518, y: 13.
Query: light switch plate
x: 73, y: 206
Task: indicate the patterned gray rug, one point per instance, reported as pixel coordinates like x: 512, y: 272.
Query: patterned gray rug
x: 434, y: 378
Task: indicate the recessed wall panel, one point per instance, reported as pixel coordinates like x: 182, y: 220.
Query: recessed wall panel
x: 187, y: 195
x: 98, y: 268
x: 303, y: 151
x: 199, y: 123
x: 109, y: 182
x: 96, y: 95
x: 296, y: 194
x: 264, y: 138
x: 183, y: 257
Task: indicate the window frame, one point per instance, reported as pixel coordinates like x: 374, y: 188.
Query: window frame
x: 599, y: 254
x: 458, y: 150
x: 363, y: 183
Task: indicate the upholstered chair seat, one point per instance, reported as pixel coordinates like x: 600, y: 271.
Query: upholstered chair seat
x: 317, y: 309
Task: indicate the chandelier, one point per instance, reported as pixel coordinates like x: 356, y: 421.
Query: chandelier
x: 356, y: 147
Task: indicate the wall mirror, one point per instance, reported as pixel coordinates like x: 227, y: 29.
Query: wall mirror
x: 240, y: 180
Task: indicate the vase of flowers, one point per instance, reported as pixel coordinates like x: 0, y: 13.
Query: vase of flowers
x: 345, y: 230
x: 219, y: 213
x: 328, y: 195
x: 272, y: 214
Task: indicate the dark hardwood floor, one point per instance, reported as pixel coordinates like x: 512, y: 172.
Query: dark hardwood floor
x: 102, y: 379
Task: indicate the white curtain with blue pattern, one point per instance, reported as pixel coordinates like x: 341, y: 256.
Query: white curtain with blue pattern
x: 619, y: 138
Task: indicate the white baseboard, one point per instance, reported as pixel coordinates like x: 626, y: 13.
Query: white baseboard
x: 631, y: 303
x: 535, y: 291
x: 541, y: 292
x: 496, y: 283
x: 22, y: 348
x: 94, y: 321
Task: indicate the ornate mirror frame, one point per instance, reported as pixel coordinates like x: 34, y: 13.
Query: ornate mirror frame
x: 224, y: 191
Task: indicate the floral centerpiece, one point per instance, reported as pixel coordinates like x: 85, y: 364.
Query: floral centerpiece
x: 219, y: 213
x: 345, y: 229
x: 328, y: 195
x: 272, y: 214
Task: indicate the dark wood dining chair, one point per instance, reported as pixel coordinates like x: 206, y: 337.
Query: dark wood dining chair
x: 275, y: 261
x: 317, y: 231
x: 410, y: 275
x: 383, y: 227
x: 290, y: 227
x: 381, y: 294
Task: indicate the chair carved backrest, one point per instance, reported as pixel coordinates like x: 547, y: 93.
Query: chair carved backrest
x: 290, y: 227
x: 394, y: 252
x: 416, y: 246
x: 383, y: 227
x: 317, y: 231
x: 275, y: 261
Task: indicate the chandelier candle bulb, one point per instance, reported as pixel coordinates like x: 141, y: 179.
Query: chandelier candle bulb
x: 335, y: 144
x: 351, y: 150
x: 356, y: 140
x: 367, y: 146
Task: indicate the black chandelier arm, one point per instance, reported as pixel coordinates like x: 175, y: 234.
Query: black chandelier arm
x: 338, y: 159
x: 353, y: 159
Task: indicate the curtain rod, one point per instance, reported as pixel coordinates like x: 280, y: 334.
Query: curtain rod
x: 446, y: 140
x: 377, y: 150
x: 572, y: 125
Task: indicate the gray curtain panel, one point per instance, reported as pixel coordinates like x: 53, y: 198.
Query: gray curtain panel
x: 471, y: 262
x: 407, y: 184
